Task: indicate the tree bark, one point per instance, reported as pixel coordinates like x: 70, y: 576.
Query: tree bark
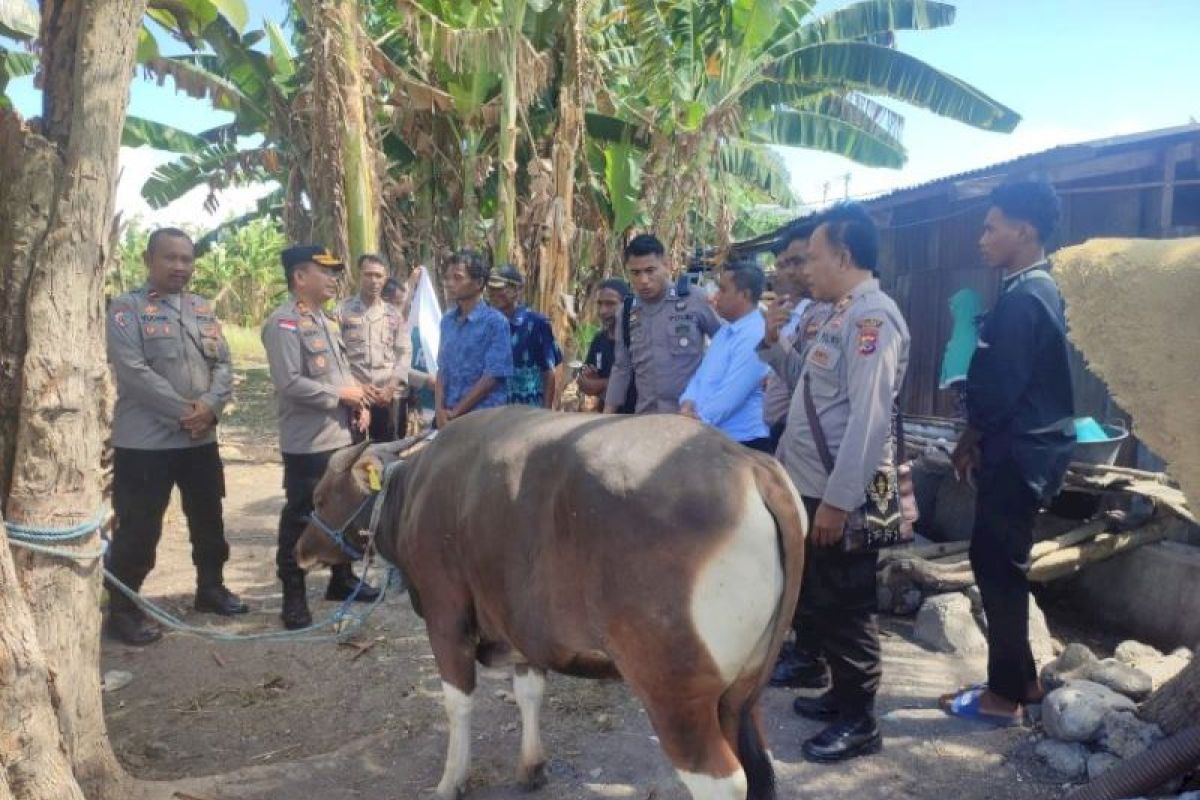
x: 55, y: 239
x: 1176, y: 705
x: 33, y: 760
x: 345, y: 181
x: 514, y: 20
x: 554, y: 263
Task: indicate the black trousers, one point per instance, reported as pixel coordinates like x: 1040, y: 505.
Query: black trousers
x: 1005, y: 511
x: 836, y: 617
x: 142, y: 483
x: 382, y: 427
x: 301, y: 474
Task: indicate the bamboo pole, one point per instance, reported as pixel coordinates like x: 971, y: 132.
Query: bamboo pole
x: 1069, y: 560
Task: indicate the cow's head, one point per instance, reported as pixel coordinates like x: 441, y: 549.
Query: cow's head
x: 343, y: 502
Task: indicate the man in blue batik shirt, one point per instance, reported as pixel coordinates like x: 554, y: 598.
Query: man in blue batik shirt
x: 535, y: 353
x: 475, y: 358
x: 727, y: 390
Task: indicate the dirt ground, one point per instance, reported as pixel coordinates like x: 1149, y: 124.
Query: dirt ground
x: 322, y: 721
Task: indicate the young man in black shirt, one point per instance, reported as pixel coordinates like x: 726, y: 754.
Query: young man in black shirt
x: 1020, y: 414
x: 599, y: 361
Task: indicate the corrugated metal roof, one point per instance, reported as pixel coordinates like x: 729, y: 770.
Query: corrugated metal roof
x: 1060, y: 154
x: 1065, y: 152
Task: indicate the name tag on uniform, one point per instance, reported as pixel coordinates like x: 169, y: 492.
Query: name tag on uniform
x: 820, y: 356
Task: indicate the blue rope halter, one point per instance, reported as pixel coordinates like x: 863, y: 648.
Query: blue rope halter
x: 338, y: 535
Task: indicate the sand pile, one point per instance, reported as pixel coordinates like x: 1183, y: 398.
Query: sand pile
x: 1133, y: 306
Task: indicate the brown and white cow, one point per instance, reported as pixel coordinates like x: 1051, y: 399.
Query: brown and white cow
x: 648, y: 548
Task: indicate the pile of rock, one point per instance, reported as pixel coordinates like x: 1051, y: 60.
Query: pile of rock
x: 955, y: 622
x: 1089, y: 716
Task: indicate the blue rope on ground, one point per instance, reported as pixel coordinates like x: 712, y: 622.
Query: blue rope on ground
x: 342, y: 622
x: 313, y: 633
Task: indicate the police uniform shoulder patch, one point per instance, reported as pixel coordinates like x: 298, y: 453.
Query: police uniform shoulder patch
x: 287, y: 324
x: 868, y: 338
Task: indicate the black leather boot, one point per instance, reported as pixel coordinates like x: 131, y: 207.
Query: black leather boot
x: 127, y: 623
x: 821, y: 708
x: 295, y: 614
x: 800, y: 670
x: 342, y: 582
x: 844, y: 739
x: 216, y: 599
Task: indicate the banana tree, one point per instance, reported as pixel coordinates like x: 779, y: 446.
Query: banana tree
x: 265, y: 142
x: 711, y: 84
x: 18, y: 24
x: 345, y: 186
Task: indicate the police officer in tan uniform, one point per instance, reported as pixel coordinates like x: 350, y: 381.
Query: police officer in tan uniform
x: 378, y: 346
x: 853, y: 370
x: 666, y: 333
x: 173, y: 379
x: 319, y: 401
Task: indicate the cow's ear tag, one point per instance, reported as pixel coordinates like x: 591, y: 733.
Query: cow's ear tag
x: 373, y: 479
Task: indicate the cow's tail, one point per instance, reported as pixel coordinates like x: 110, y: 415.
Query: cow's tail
x: 791, y: 526
x: 754, y: 756
x: 785, y: 506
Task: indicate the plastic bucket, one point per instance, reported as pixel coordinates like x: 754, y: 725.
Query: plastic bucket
x: 1103, y: 452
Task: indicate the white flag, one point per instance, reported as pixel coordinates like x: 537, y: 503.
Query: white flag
x: 427, y: 315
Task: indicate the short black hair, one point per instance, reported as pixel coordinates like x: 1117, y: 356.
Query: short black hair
x: 748, y: 278
x: 1034, y: 202
x: 474, y: 263
x: 161, y: 233
x: 644, y: 244
x: 851, y: 227
x: 615, y: 284
x: 797, y: 230
x: 390, y: 288
x: 372, y: 258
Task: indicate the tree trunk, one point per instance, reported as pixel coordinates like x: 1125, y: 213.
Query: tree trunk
x: 555, y: 261
x: 345, y: 183
x: 468, y: 218
x: 55, y: 253
x: 1176, y: 705
x: 514, y: 20
x: 33, y: 761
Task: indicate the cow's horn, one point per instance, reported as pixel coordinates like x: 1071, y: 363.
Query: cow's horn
x: 395, y: 449
x: 344, y: 459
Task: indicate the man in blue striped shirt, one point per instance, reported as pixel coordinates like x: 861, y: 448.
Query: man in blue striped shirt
x: 727, y: 390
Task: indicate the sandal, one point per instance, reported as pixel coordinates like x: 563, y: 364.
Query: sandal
x: 966, y: 706
x: 945, y: 700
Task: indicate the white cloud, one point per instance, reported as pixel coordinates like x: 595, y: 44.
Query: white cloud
x: 138, y: 163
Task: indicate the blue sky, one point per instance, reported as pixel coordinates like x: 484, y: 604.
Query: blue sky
x: 1074, y: 69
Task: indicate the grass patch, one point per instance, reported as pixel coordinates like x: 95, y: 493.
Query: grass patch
x: 245, y: 346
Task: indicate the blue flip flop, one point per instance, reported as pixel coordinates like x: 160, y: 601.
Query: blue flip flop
x: 966, y: 706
